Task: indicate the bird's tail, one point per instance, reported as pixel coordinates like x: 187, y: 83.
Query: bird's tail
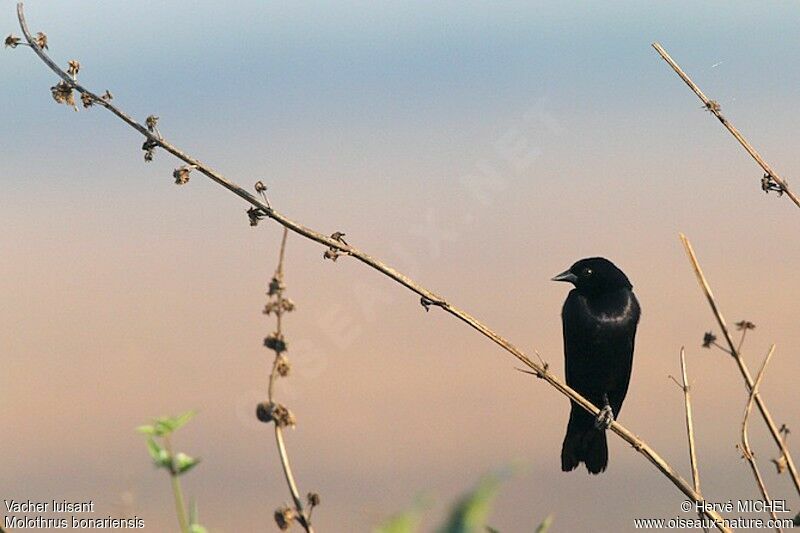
x: 583, y: 443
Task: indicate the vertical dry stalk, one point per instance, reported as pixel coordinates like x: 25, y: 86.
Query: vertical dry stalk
x: 428, y: 298
x: 274, y: 412
x: 687, y: 400
x: 743, y: 369
x: 714, y: 108
x: 747, y: 452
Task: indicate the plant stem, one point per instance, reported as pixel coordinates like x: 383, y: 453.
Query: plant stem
x: 177, y: 491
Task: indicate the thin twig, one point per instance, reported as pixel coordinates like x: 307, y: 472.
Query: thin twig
x: 714, y: 108
x: 302, y: 516
x: 637, y: 443
x: 743, y: 369
x: 747, y: 452
x: 687, y: 400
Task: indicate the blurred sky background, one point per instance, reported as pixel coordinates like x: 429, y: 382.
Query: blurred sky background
x: 481, y: 147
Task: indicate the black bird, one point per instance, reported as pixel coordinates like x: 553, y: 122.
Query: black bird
x: 599, y: 320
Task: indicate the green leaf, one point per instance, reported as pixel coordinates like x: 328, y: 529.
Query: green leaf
x: 154, y: 448
x: 545, y: 525
x: 146, y: 430
x: 181, y: 420
x: 184, y: 463
x: 407, y: 521
x: 469, y: 515
x: 197, y: 528
x: 164, y: 425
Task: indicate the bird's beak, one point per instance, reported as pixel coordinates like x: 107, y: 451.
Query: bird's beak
x: 566, y: 276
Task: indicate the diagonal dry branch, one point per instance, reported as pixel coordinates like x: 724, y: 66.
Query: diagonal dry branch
x: 743, y: 368
x: 428, y: 298
x: 747, y: 452
x: 713, y: 107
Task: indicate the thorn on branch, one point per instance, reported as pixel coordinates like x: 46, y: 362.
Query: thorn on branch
x: 427, y: 303
x: 713, y: 106
x: 768, y: 184
x: 41, y: 40
x: 338, y: 236
x: 780, y: 464
x: 73, y: 67
x: 12, y: 41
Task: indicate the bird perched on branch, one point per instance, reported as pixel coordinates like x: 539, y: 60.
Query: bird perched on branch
x: 599, y: 321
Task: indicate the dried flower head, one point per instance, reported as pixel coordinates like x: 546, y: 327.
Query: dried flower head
x: 87, y: 100
x: 338, y: 236
x: 282, y: 416
x: 745, y: 325
x: 709, y: 339
x: 287, y: 305
x: 276, y: 342
x: 313, y: 499
x: 41, y: 40
x: 260, y: 187
x: 275, y: 412
x: 149, y: 147
x: 62, y: 93
x: 255, y: 214
x: 12, y: 41
x: 275, y: 286
x: 181, y: 175
x: 73, y: 67
x: 107, y: 96
x: 151, y: 122
x: 331, y: 254
x: 284, y: 516
x: 282, y: 366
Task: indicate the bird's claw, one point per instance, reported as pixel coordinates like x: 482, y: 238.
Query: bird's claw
x: 604, y: 418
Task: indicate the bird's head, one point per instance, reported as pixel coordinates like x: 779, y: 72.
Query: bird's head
x: 595, y: 274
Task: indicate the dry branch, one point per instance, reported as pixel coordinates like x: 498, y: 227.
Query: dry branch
x: 743, y: 369
x: 714, y: 108
x: 334, y: 243
x: 268, y: 412
x: 687, y: 400
x: 747, y: 452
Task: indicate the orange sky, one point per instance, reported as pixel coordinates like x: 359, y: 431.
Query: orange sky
x: 128, y: 297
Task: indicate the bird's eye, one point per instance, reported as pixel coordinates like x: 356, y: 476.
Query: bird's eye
x: 587, y: 272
